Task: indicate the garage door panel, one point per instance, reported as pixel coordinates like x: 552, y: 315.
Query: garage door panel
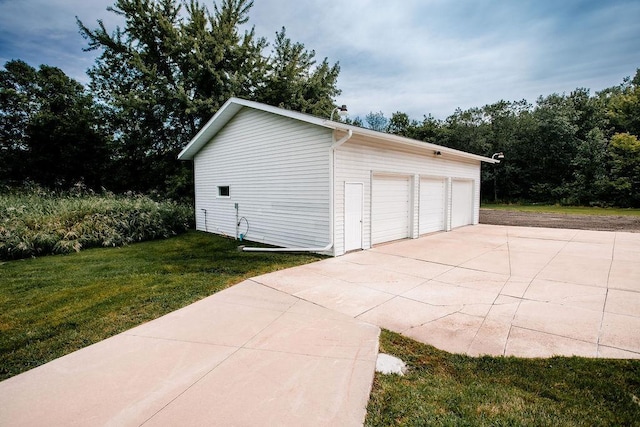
x: 390, y: 208
x: 461, y: 203
x: 432, y: 205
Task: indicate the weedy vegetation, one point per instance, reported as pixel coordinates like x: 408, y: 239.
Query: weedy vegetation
x: 444, y: 389
x: 36, y: 222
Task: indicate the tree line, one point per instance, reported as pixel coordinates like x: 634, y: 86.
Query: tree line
x: 575, y: 149
x: 173, y: 63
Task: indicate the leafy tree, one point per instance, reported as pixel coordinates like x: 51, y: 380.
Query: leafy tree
x: 624, y: 106
x: 590, y: 173
x: 357, y: 121
x: 293, y: 80
x: 376, y: 121
x: 504, y: 121
x: 551, y: 149
x: 18, y: 101
x: 624, y: 150
x: 589, y: 113
x: 400, y: 124
x: 49, y: 128
x: 167, y: 71
x: 429, y: 130
x: 467, y: 130
x: 574, y: 149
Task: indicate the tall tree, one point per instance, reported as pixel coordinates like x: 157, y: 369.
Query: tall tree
x: 624, y: 150
x: 18, y: 102
x: 624, y: 106
x: 295, y: 81
x: 589, y: 168
x: 575, y: 148
x: 49, y: 128
x: 400, y: 124
x: 376, y: 121
x: 168, y: 70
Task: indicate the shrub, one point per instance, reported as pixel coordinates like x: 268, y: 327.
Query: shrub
x: 36, y: 222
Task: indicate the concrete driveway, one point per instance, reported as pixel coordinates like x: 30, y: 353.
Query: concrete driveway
x: 246, y: 356
x: 299, y: 346
x: 497, y: 290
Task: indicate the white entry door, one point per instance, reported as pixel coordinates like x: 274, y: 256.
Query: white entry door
x: 390, y: 201
x: 461, y: 203
x: 353, y: 216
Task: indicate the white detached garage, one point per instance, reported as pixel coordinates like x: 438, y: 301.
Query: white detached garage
x: 293, y: 180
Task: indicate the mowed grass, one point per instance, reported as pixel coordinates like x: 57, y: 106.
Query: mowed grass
x: 443, y: 389
x: 53, y: 305
x: 557, y: 209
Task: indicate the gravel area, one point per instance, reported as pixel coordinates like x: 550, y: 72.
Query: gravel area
x: 582, y: 222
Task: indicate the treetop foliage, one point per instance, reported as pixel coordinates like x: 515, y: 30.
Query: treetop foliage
x: 50, y: 128
x: 573, y: 149
x: 173, y: 63
x: 156, y: 81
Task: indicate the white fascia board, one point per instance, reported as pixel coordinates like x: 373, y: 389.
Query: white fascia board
x: 401, y: 140
x: 228, y: 111
x: 233, y: 105
x: 209, y: 130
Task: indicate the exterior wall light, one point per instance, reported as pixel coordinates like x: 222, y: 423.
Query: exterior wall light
x: 496, y: 156
x: 342, y: 111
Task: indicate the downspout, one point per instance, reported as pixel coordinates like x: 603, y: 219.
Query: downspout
x: 331, y: 207
x: 255, y: 249
x: 341, y: 141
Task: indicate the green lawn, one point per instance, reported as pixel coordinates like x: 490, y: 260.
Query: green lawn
x: 443, y: 389
x: 53, y: 305
x: 557, y: 209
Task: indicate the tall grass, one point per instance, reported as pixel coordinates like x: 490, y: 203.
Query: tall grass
x: 36, y: 222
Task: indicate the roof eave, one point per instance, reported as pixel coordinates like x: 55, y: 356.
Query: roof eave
x: 228, y: 111
x: 234, y: 105
x: 426, y: 146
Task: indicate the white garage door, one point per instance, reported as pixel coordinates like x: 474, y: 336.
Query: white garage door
x: 461, y: 203
x: 432, y: 197
x: 390, y: 200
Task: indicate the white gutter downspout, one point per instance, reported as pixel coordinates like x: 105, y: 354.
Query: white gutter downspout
x: 342, y: 140
x: 255, y: 249
x: 331, y: 213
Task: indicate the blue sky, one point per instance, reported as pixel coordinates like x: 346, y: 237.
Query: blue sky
x: 415, y: 56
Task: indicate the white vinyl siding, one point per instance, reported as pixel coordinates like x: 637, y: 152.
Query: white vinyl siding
x: 358, y: 160
x: 461, y: 203
x: 278, y: 172
x: 432, y: 204
x: 390, y: 208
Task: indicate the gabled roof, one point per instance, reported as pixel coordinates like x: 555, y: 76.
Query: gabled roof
x: 234, y: 105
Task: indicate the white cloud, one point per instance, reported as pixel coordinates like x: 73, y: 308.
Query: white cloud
x: 417, y: 56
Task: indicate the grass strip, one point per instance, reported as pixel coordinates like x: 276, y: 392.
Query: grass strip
x: 54, y: 305
x: 557, y: 209
x: 443, y: 389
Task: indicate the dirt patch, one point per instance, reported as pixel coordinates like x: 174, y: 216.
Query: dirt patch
x: 581, y: 222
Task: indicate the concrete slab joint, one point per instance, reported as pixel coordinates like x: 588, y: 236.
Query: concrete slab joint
x: 300, y: 346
